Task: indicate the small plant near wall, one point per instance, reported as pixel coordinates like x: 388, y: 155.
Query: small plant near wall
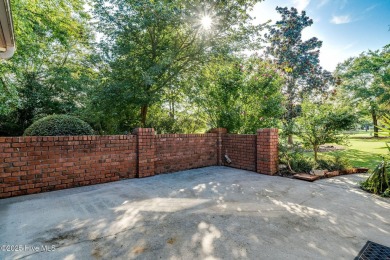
x: 336, y: 162
x: 292, y: 156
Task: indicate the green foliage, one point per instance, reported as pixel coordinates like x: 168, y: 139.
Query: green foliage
x: 378, y: 182
x: 321, y: 123
x: 241, y: 95
x: 364, y: 82
x: 386, y: 128
x: 151, y: 45
x: 297, y: 60
x: 292, y: 156
x: 334, y: 163
x: 165, y: 122
x: 57, y: 125
x: 51, y: 69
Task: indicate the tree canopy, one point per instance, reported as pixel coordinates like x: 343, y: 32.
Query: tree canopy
x: 365, y: 81
x: 297, y: 59
x: 50, y: 69
x: 178, y: 66
x: 149, y: 45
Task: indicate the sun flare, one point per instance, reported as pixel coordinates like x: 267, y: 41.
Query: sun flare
x: 206, y: 22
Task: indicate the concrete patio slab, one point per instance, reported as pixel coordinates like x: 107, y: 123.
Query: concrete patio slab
x: 207, y: 213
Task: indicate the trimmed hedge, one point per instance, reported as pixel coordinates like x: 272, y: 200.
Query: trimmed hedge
x: 57, y: 125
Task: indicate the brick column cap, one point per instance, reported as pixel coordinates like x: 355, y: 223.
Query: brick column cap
x: 267, y: 130
x: 143, y: 131
x: 219, y: 130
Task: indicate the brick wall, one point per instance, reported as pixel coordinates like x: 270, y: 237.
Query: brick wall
x: 241, y: 150
x: 37, y: 164
x: 146, y: 152
x: 267, y: 151
x: 176, y: 152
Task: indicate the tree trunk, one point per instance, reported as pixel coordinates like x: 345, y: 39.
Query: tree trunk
x: 315, y: 148
x: 375, y: 122
x: 144, y: 111
x: 290, y: 112
x: 290, y: 139
x: 289, y: 123
x: 172, y: 109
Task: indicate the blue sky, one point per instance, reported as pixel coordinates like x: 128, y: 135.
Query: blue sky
x: 346, y: 27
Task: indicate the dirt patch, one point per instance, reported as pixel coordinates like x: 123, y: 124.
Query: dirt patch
x: 139, y: 250
x: 97, y: 253
x: 59, y: 237
x: 328, y: 148
x: 171, y: 241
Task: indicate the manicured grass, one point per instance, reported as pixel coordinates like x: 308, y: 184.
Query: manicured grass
x: 364, y: 152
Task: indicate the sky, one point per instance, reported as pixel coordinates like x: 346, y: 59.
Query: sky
x: 346, y: 27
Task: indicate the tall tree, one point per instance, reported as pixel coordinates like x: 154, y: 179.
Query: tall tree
x: 364, y: 79
x: 298, y: 60
x: 50, y: 69
x: 240, y: 94
x: 149, y: 44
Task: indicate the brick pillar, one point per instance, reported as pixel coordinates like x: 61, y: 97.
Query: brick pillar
x: 146, y: 151
x: 267, y: 151
x: 220, y: 131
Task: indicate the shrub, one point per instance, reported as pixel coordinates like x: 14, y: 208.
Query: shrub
x: 378, y: 182
x: 336, y: 163
x: 56, y: 125
x: 302, y: 164
x: 292, y: 156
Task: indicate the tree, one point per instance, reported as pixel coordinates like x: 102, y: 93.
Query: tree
x: 298, y: 60
x: 364, y: 80
x: 379, y: 180
x: 149, y: 44
x: 321, y: 123
x: 240, y: 94
x: 50, y: 69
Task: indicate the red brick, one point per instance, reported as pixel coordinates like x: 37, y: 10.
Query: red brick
x: 62, y: 162
x: 34, y: 190
x: 12, y: 188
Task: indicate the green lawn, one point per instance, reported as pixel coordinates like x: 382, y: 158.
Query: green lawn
x: 364, y: 152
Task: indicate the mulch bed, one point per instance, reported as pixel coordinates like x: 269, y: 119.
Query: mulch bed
x: 328, y: 148
x: 312, y: 177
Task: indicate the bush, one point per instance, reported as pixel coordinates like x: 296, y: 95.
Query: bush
x: 379, y: 180
x: 57, y: 125
x: 292, y: 156
x: 302, y: 164
x: 336, y: 163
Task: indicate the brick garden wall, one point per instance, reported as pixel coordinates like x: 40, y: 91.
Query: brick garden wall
x: 38, y: 164
x: 241, y: 149
x: 176, y: 152
x: 267, y: 151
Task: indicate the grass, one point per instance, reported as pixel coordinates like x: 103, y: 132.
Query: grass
x: 363, y: 152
